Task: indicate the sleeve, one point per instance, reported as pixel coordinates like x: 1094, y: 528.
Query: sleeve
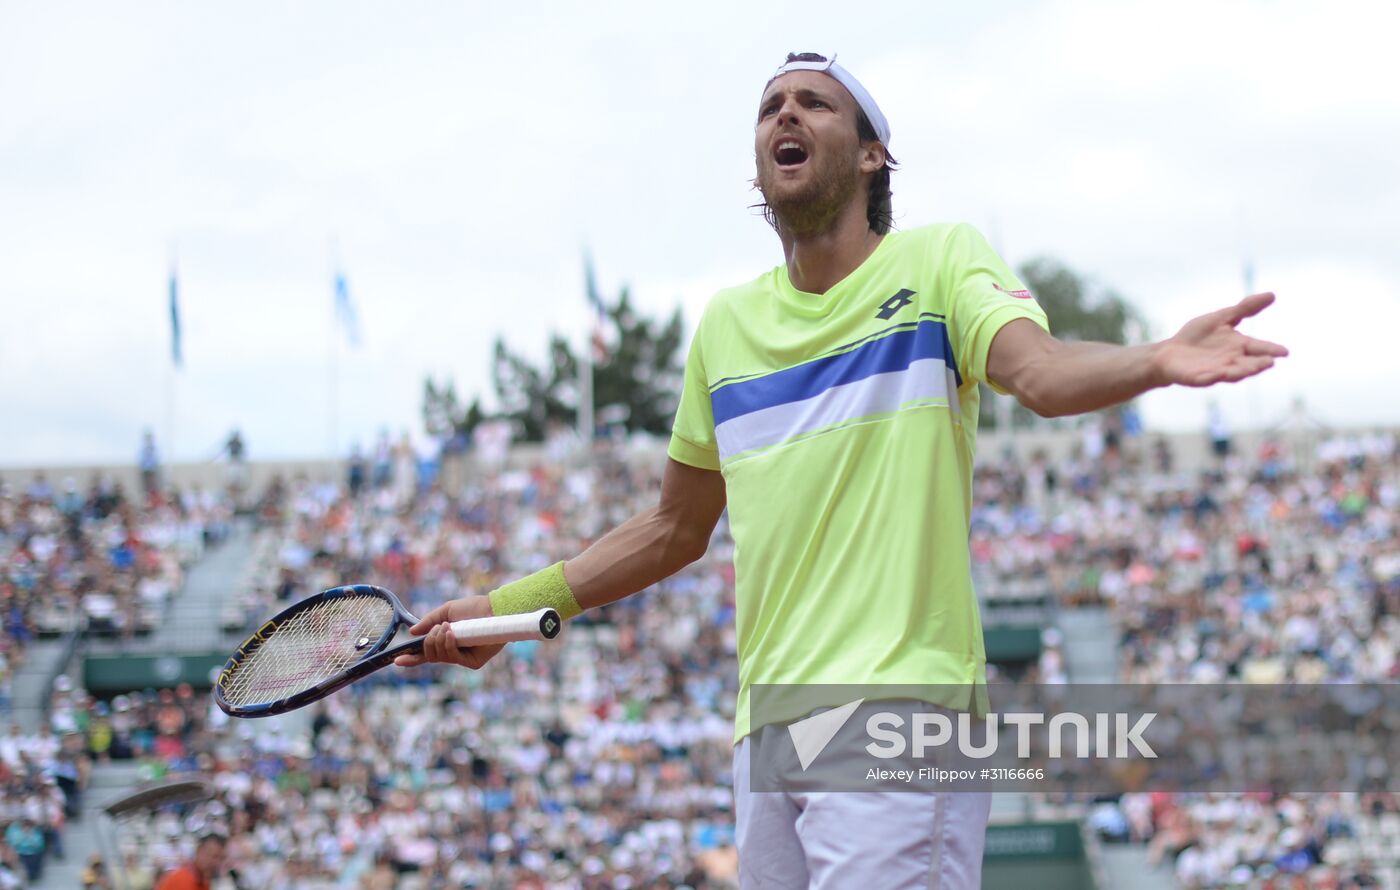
x: 984, y: 295
x: 693, y: 434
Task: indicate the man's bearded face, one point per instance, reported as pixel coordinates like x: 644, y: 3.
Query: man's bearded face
x: 807, y: 150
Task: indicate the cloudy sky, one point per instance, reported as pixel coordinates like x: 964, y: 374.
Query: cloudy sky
x: 462, y: 156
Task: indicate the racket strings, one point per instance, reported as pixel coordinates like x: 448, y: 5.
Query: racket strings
x: 308, y: 647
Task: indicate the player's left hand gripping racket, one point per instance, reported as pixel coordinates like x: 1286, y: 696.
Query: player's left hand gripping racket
x: 330, y: 640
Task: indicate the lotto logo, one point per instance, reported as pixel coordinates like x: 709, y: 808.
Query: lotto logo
x: 895, y: 303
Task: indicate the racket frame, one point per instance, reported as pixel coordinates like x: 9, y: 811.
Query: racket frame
x: 376, y: 655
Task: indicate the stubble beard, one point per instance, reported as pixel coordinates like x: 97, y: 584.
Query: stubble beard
x: 810, y: 208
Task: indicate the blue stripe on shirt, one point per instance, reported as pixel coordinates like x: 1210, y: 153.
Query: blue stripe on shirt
x: 929, y: 339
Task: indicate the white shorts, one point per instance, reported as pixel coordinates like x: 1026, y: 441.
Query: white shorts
x: 875, y: 840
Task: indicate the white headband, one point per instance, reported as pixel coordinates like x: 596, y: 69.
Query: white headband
x: 847, y: 80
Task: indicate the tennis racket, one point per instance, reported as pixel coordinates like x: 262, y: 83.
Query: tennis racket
x: 328, y: 641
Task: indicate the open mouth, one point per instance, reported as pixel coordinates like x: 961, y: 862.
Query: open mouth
x: 790, y: 154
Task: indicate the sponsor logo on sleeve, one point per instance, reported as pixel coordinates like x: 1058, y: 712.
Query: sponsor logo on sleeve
x: 1018, y: 294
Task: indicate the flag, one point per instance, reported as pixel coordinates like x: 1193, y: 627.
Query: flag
x: 176, y: 355
x: 344, y: 312
x: 600, y: 312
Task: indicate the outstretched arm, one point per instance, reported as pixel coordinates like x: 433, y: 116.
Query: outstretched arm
x: 655, y: 543
x: 1054, y: 378
x: 650, y: 546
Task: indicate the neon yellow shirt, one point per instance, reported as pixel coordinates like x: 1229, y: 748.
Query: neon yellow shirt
x: 844, y: 424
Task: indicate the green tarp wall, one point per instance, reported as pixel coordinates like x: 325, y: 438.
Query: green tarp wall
x: 1039, y: 855
x: 112, y: 674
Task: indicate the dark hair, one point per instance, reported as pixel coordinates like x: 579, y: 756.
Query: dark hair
x: 879, y: 212
x: 879, y: 208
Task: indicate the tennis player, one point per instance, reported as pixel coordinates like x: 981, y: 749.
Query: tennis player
x: 831, y: 404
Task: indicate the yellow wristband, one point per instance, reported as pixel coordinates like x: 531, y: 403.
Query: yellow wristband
x: 544, y: 589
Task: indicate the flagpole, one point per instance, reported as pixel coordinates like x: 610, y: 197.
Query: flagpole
x: 170, y: 417
x: 172, y: 373
x: 1247, y: 271
x: 585, y: 402
x: 334, y: 396
x: 586, y: 415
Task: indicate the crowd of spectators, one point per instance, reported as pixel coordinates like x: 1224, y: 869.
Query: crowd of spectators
x: 1262, y: 840
x: 41, y: 780
x: 1252, y: 569
x: 603, y: 760
x: 1277, y: 566
x: 98, y: 561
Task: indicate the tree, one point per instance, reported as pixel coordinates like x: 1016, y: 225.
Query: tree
x: 531, y: 397
x: 637, y: 374
x: 1078, y: 310
x: 639, y: 378
x: 443, y: 415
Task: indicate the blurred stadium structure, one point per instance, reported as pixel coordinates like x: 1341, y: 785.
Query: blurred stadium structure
x: 604, y: 761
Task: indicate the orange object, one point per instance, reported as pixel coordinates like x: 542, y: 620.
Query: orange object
x: 183, y: 878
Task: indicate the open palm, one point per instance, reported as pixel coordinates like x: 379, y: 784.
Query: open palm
x: 1209, y: 350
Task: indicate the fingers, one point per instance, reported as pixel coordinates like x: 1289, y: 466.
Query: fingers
x: 440, y: 647
x: 1250, y: 305
x: 1264, y: 347
x: 452, y: 610
x: 477, y: 656
x: 1246, y: 366
x: 1232, y: 370
x: 428, y: 621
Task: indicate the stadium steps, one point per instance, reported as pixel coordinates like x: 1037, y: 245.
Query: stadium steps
x: 191, y: 621
x: 83, y: 836
x: 29, y: 688
x: 191, y: 624
x: 1009, y: 807
x: 1125, y: 868
x: 1090, y: 644
x: 1091, y: 656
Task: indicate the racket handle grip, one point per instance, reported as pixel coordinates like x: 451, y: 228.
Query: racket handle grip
x: 541, y: 625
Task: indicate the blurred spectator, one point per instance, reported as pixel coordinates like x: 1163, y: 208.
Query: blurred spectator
x: 95, y: 875
x: 383, y: 469
x: 355, y: 480
x: 1218, y: 431
x: 237, y: 476
x: 207, y: 863
x: 149, y: 462
x: 27, y: 840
